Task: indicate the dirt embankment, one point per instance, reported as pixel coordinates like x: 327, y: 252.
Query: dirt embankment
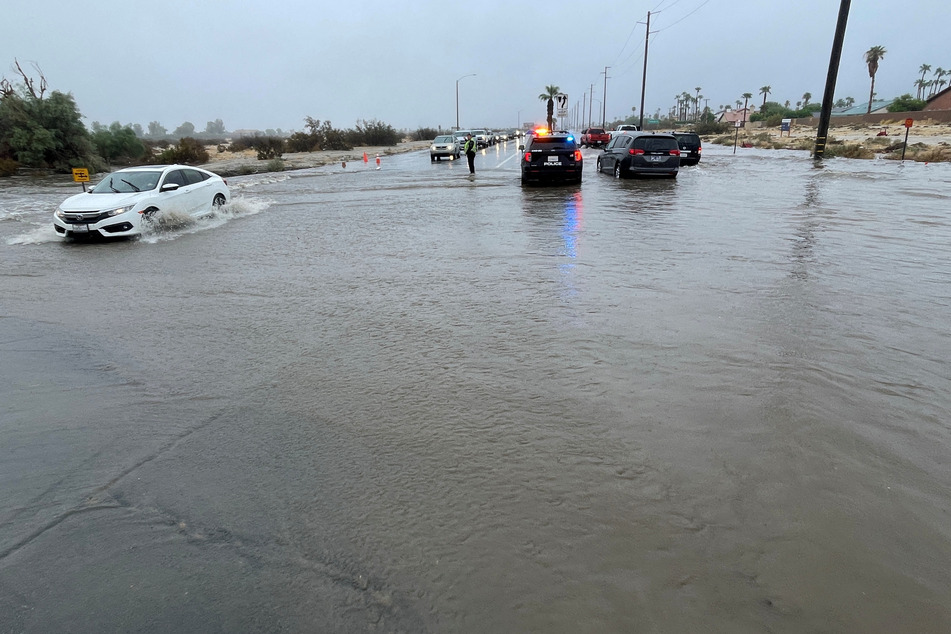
x: 228, y: 163
x: 927, y: 140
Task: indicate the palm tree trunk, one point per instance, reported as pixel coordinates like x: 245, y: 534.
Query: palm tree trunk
x: 871, y: 93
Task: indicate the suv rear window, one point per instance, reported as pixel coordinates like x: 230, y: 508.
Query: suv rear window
x: 596, y: 131
x: 688, y: 138
x: 655, y: 143
x: 553, y: 143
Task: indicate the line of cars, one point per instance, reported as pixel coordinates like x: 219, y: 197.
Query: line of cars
x: 451, y: 145
x: 556, y: 156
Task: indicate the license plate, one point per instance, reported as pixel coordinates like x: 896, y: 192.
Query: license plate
x: 79, y: 228
x: 656, y: 159
x: 554, y: 159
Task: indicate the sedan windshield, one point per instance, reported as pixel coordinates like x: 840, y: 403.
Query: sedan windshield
x: 127, y: 182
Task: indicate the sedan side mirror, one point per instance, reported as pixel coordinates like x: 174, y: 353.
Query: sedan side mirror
x: 169, y: 187
x: 521, y: 147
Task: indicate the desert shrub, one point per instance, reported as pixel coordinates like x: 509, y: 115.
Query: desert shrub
x: 8, y: 167
x: 275, y: 165
x: 301, y: 142
x: 188, y: 151
x: 375, y: 132
x: 241, y: 144
x: 268, y: 147
x: 848, y: 150
x: 922, y: 153
x: 425, y: 134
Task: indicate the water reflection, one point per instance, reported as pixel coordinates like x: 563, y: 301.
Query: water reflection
x: 563, y: 211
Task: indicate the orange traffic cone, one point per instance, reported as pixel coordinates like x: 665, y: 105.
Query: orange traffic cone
x: 365, y: 159
x: 378, y: 160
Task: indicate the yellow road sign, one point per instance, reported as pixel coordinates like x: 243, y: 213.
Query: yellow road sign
x: 80, y: 175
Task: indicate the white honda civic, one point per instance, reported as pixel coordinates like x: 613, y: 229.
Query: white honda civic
x: 124, y: 200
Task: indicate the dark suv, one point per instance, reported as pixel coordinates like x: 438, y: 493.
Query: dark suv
x: 689, y: 147
x: 551, y: 157
x: 641, y: 154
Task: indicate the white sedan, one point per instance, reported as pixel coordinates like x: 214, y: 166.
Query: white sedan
x: 124, y: 200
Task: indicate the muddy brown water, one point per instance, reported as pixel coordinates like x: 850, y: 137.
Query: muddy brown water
x: 407, y: 400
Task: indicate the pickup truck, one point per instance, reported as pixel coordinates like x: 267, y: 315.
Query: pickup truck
x: 594, y: 137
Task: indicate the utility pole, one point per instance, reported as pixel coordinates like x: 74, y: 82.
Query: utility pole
x: 584, y: 106
x: 644, y: 76
x: 604, y: 98
x: 826, y: 114
x: 590, y: 106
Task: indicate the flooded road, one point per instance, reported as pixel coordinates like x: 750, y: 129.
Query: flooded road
x: 404, y: 400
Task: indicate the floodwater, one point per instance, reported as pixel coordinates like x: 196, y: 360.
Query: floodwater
x: 407, y: 400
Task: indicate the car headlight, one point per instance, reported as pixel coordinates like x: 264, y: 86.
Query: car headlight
x: 59, y: 212
x: 433, y: 148
x: 118, y: 210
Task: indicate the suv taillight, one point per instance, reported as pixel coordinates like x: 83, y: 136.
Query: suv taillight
x: 635, y: 152
x: 577, y: 155
x: 528, y: 157
x: 675, y: 152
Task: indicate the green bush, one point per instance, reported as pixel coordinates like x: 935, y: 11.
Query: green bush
x: 38, y: 130
x: 906, y: 103
x: 117, y: 144
x: 301, y: 142
x: 188, y: 151
x: 275, y: 165
x: 375, y: 132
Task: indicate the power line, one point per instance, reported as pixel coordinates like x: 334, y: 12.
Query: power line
x: 683, y: 18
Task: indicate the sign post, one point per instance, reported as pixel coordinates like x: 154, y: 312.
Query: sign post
x: 81, y: 175
x: 736, y: 124
x: 908, y: 124
x: 561, y: 101
x: 785, y: 127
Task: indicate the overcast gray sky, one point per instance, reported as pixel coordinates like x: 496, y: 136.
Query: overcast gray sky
x: 257, y: 64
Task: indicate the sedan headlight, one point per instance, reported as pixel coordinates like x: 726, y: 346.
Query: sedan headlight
x: 59, y: 213
x: 433, y: 148
x: 118, y: 210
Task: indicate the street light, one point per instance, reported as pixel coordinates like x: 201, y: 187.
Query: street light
x: 457, y: 97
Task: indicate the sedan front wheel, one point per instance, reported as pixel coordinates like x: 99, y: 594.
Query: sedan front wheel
x: 617, y: 170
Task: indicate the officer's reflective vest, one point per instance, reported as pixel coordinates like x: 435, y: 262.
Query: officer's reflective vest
x: 470, y: 146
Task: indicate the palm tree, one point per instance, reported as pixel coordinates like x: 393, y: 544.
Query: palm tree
x: 696, y: 101
x: 549, y: 96
x: 806, y: 96
x: 765, y: 90
x: 849, y: 102
x: 924, y: 69
x: 872, y: 57
x: 937, y: 82
x: 746, y: 99
x: 920, y: 87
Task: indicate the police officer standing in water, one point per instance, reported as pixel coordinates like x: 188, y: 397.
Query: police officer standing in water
x: 470, y: 150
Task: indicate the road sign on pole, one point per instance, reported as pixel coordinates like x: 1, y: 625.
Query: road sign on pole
x: 561, y: 102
